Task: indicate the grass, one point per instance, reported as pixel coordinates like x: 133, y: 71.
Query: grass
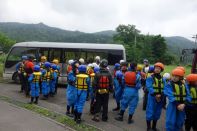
x: 50, y: 114
x: 169, y: 69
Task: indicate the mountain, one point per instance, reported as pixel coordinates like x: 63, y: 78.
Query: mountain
x: 175, y: 44
x: 41, y: 32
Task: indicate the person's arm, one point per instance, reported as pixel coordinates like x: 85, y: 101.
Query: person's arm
x: 138, y: 81
x: 31, y: 77
x: 188, y: 95
x: 149, y: 85
x: 168, y: 91
x: 110, y: 82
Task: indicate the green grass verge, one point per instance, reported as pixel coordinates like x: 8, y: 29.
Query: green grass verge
x: 50, y: 114
x: 169, y: 69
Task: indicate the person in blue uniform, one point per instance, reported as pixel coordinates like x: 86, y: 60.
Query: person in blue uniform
x: 178, y: 94
x: 34, y: 80
x: 82, y: 84
x: 155, y: 85
x: 132, y: 83
x: 71, y: 91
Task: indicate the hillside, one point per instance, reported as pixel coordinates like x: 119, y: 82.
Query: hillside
x: 41, y: 32
x: 177, y: 43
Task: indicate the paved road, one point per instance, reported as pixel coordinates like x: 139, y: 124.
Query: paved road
x: 58, y: 103
x: 13, y: 118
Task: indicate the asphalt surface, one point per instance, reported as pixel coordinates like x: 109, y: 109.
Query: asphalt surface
x: 58, y: 104
x: 13, y: 118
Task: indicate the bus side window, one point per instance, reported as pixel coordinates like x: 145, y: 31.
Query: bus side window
x: 69, y: 55
x: 15, y: 55
x: 115, y: 56
x: 43, y: 52
x: 55, y: 54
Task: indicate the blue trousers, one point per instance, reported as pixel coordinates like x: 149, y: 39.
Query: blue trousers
x: 174, y: 118
x: 45, y: 88
x: 81, y: 99
x: 71, y: 95
x: 153, y: 108
x: 34, y: 89
x: 130, y: 98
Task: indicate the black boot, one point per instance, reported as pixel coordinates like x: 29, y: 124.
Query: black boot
x: 154, y: 125
x: 78, y: 118
x: 32, y: 99
x: 67, y: 110
x: 117, y: 108
x: 148, y: 125
x: 120, y: 116
x: 130, y: 119
x: 72, y: 113
x: 36, y: 101
x: 75, y: 115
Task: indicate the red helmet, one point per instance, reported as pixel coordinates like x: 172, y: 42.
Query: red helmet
x: 181, y: 67
x: 178, y: 72
x: 191, y: 78
x: 159, y: 64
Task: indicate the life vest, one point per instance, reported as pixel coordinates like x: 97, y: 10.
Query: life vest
x: 91, y: 78
x: 193, y: 92
x: 37, y: 77
x: 81, y: 81
x: 103, y: 82
x: 179, y: 92
x: 158, y: 85
x: 46, y: 76
x: 69, y: 69
x: 130, y: 78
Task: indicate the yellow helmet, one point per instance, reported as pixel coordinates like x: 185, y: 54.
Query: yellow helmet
x: 43, y: 58
x: 139, y: 67
x: 55, y: 61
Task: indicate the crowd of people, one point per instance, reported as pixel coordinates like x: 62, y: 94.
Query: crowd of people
x: 95, y: 81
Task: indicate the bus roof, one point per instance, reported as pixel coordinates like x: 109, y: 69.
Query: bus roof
x: 70, y: 45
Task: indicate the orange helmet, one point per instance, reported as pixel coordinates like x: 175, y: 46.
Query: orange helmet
x: 159, y: 64
x: 181, y: 67
x: 191, y: 77
x: 178, y: 72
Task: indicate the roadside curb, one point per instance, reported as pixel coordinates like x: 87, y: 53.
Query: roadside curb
x: 53, y: 116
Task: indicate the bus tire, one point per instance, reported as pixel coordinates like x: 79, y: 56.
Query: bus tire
x: 15, y: 77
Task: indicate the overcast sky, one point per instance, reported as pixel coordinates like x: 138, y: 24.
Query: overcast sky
x: 166, y: 17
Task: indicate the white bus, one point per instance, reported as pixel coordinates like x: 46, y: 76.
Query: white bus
x: 63, y: 52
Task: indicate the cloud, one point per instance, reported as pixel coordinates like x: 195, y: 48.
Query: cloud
x: 166, y: 17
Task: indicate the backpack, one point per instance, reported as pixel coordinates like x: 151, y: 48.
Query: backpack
x: 104, y: 82
x: 130, y: 78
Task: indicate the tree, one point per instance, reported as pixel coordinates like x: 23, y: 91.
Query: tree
x: 139, y: 46
x: 5, y: 42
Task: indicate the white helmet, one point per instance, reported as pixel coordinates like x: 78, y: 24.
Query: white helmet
x: 81, y: 60
x: 90, y: 65
x: 97, y: 58
x: 70, y: 62
x: 95, y: 65
x: 121, y: 61
x: 166, y: 76
x: 146, y: 69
